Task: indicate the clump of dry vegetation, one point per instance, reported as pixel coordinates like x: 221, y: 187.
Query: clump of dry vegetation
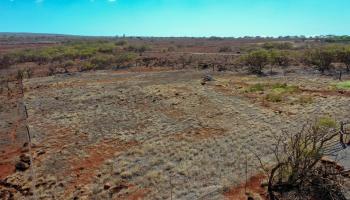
x: 300, y: 172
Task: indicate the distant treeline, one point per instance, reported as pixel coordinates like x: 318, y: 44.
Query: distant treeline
x: 106, y: 54
x: 65, y: 38
x: 90, y: 55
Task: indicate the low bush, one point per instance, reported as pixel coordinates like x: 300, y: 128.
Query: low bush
x: 326, y: 122
x: 86, y: 66
x: 125, y: 58
x: 225, y: 49
x: 256, y: 88
x: 102, y: 61
x: 278, y: 45
x: 344, y: 57
x: 274, y: 97
x: 280, y: 58
x: 322, y: 57
x: 107, y: 48
x: 345, y: 85
x: 256, y: 60
x: 284, y: 88
x: 138, y: 49
x: 299, y: 169
x: 305, y: 100
x: 278, y: 91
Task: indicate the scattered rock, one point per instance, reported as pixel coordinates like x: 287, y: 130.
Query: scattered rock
x: 119, y: 188
x: 25, y: 158
x: 41, y: 152
x: 21, y: 166
x: 206, y: 78
x: 107, y: 186
x: 264, y: 184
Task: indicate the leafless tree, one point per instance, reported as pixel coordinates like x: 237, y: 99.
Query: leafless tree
x: 299, y: 164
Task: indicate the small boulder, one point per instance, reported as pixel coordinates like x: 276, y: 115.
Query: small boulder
x: 21, y: 166
x: 25, y: 158
x: 107, y: 186
x: 207, y: 78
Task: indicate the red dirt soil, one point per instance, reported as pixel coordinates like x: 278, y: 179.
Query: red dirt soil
x: 6, y: 169
x: 85, y: 169
x: 253, y: 186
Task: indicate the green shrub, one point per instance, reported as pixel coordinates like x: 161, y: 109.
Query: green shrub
x: 344, y: 57
x: 256, y: 88
x: 280, y: 58
x: 125, y: 58
x: 256, y: 60
x: 274, y: 97
x: 322, y: 57
x: 326, y: 122
x: 284, y: 88
x: 102, y: 61
x: 305, y: 100
x: 345, y: 85
x: 107, y: 48
x: 87, y: 66
x: 279, y: 90
x: 68, y: 63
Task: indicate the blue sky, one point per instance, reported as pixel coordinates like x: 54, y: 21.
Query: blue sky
x: 177, y: 17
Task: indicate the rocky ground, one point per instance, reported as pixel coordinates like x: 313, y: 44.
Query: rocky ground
x: 154, y: 135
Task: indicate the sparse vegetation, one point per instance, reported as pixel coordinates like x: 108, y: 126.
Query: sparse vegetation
x: 322, y: 57
x: 283, y: 88
x: 148, y: 127
x: 256, y: 61
x: 256, y: 88
x: 326, y: 122
x: 299, y: 170
x: 278, y: 45
x: 280, y: 59
x: 345, y: 85
x: 274, y: 97
x: 305, y: 100
x: 344, y: 56
x: 225, y: 49
x: 274, y: 92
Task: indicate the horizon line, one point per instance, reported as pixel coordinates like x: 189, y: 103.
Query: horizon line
x: 150, y: 36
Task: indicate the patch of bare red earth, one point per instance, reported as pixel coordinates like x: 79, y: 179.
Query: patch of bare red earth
x: 7, y: 164
x: 252, y: 187
x: 85, y: 169
x: 12, y: 139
